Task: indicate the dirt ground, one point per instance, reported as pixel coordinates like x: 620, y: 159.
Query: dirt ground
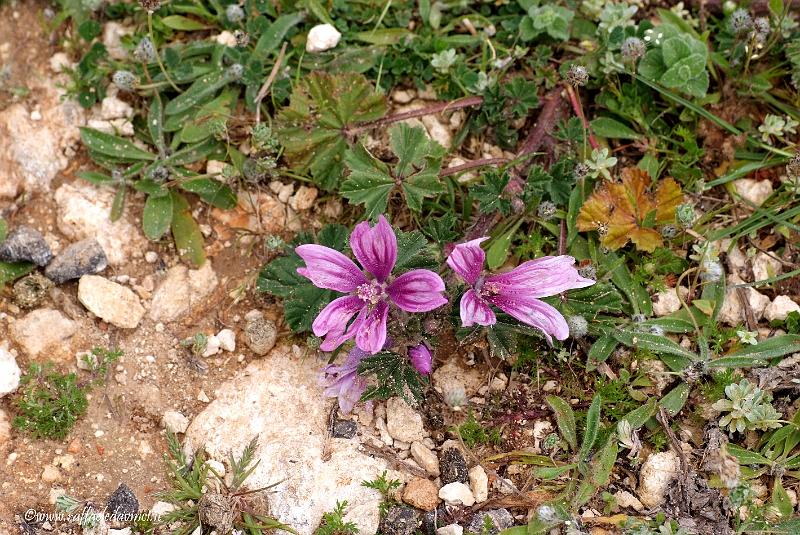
x: 121, y: 440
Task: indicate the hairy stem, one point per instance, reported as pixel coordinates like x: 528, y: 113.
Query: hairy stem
x: 438, y: 107
x: 158, y: 54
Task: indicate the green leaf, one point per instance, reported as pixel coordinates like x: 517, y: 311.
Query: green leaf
x: 95, y: 177
x: 314, y: 127
x: 602, y: 348
x: 603, y: 463
x: 185, y: 232
x: 497, y: 252
x: 640, y: 415
x: 318, y: 10
x: 490, y: 193
x: 272, y: 36
x: 384, y: 36
x: 591, y: 428
x: 674, y: 356
x: 413, y: 251
x: 3, y: 229
x: 118, y: 205
x: 747, y: 457
x: 412, y: 147
x: 10, y: 271
x: 590, y: 301
x: 201, y: 91
x: 781, y: 500
x: 213, y: 192
x: 369, y: 182
x: 674, y: 401
x: 155, y: 124
x: 184, y: 24
x: 755, y: 355
x: 776, y: 8
x: 565, y: 419
x: 157, y: 216
x: 114, y: 146
x: 613, y: 129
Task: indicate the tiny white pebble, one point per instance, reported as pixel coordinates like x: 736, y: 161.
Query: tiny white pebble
x: 99, y: 433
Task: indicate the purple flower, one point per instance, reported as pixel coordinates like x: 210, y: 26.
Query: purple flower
x: 369, y: 292
x: 421, y: 358
x: 343, y: 381
x: 516, y: 292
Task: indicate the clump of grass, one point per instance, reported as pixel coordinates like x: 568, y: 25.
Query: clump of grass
x: 51, y: 402
x: 333, y: 523
x: 473, y: 433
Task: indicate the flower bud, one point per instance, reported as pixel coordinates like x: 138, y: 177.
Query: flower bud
x: 235, y: 71
x: 150, y: 5
x: 669, y: 232
x: 234, y: 13
x: 125, y: 80
x: 633, y: 48
x: 242, y: 38
x: 741, y: 21
x: 578, y: 326
x: 546, y: 210
x: 577, y: 75
x: 145, y: 51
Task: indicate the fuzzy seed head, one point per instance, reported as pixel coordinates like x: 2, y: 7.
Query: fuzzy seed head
x: 588, y: 272
x: 793, y: 167
x: 125, y: 80
x: 546, y: 210
x: 633, y: 48
x: 761, y: 28
x: 150, y: 5
x: 711, y: 270
x: 577, y: 75
x: 234, y: 13
x: 145, y: 51
x: 581, y: 170
x: 669, y: 232
x: 578, y: 326
x: 741, y: 21
x: 235, y: 71
x: 242, y: 38
x: 547, y: 513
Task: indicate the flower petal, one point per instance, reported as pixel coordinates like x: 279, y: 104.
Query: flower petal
x: 343, y: 381
x: 467, y: 260
x: 421, y: 358
x: 328, y: 268
x: 545, y: 276
x: 371, y: 330
x: 375, y: 248
x: 418, y: 290
x: 533, y: 312
x: 332, y: 322
x: 475, y: 310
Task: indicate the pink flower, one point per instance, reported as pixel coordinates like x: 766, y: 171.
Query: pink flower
x: 369, y: 291
x: 516, y: 292
x: 343, y: 381
x: 421, y: 358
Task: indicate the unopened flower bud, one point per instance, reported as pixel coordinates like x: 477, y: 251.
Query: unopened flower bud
x: 125, y: 80
x: 145, y: 51
x: 633, y: 48
x: 741, y: 21
x: 546, y: 210
x: 234, y: 13
x: 577, y: 75
x: 669, y: 232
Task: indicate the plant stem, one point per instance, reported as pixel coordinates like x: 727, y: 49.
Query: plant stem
x: 438, y: 107
x: 483, y: 162
x: 575, y: 100
x: 268, y: 83
x: 158, y: 54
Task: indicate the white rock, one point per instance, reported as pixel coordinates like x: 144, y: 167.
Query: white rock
x: 9, y: 371
x: 5, y: 429
x: 161, y: 508
x: 628, y: 500
x: 303, y: 199
x: 403, y: 422
x: 667, y: 302
x: 118, y: 127
x: 226, y: 38
x: 36, y: 115
x: 151, y: 257
x: 181, y: 290
x: 735, y: 258
x: 227, y: 340
x: 656, y: 474
x: 112, y: 302
x: 732, y: 313
x: 114, y: 108
x: 455, y: 376
x: 437, y: 131
x: 780, y: 308
x: 457, y: 493
x: 403, y: 96
x: 451, y: 529
x: 84, y: 211
x: 479, y: 483
x: 285, y: 192
x: 755, y: 191
x: 322, y: 37
x: 212, y: 346
x: 215, y: 167
x: 425, y: 458
x: 765, y: 267
x: 42, y: 329
x: 284, y: 388
x: 175, y: 422
x: 112, y: 38
x: 59, y: 62
x: 217, y: 466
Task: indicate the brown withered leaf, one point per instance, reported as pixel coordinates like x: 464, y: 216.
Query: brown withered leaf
x: 628, y: 210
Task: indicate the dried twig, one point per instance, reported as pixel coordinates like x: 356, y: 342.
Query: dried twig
x: 438, y: 107
x: 268, y: 82
x: 394, y: 461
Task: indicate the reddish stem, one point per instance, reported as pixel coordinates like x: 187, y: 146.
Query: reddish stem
x: 473, y: 164
x: 438, y: 107
x: 578, y: 109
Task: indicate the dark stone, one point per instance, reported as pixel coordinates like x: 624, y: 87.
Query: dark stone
x: 400, y: 520
x: 453, y: 467
x: 500, y: 519
x: 344, y: 429
x: 122, y: 503
x: 24, y: 244
x: 82, y: 258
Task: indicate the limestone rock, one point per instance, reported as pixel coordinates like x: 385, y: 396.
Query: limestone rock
x: 9, y: 371
x: 403, y: 422
x: 780, y: 308
x: 425, y: 458
x: 627, y: 500
x: 766, y: 267
x: 667, y: 302
x: 303, y: 199
x: 457, y: 494
x: 84, y: 211
x: 110, y: 301
x: 41, y: 329
x: 322, y: 37
x: 755, y: 191
x: 732, y: 312
x: 422, y: 494
x: 479, y: 483
x: 656, y: 474
x: 260, y: 335
x: 175, y: 422
x: 5, y: 430
x: 455, y: 375
x: 182, y: 289
x: 278, y: 399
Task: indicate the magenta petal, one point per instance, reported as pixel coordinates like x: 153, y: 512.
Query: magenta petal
x: 371, y: 330
x: 332, y: 321
x: 543, y: 277
x: 343, y: 381
x: 375, y: 248
x: 418, y: 290
x: 535, y: 313
x: 421, y: 358
x: 467, y: 260
x: 476, y: 310
x: 328, y: 268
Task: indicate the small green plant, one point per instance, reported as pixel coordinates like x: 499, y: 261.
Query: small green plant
x: 203, y: 497
x: 386, y: 487
x: 50, y: 403
x: 546, y: 19
x: 748, y: 408
x: 333, y: 523
x: 678, y: 63
x: 473, y: 433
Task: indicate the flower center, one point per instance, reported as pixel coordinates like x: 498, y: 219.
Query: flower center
x: 370, y: 292
x: 486, y: 289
